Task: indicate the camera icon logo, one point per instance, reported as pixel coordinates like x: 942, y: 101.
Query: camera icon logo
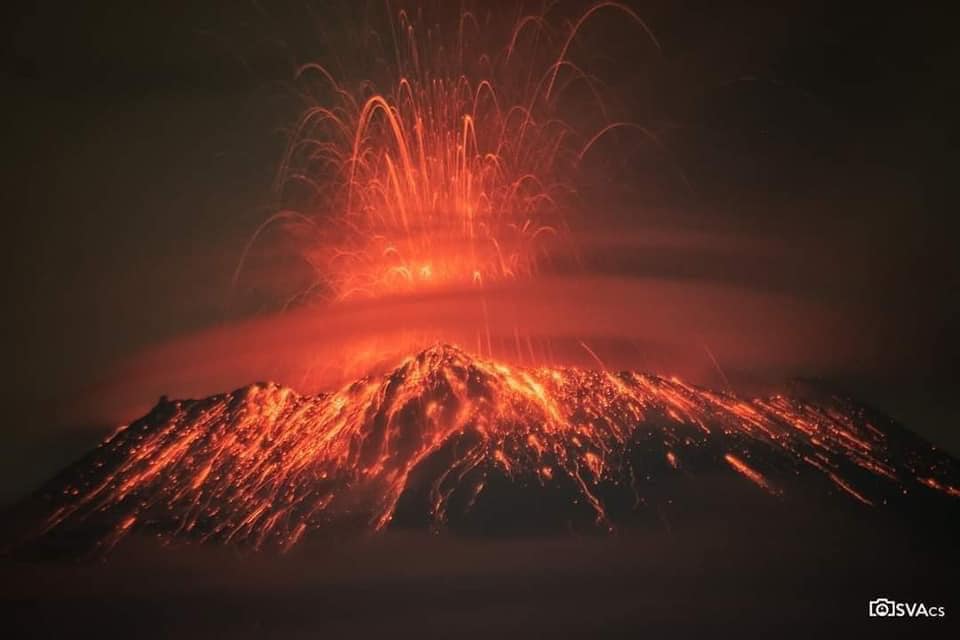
x: 880, y: 608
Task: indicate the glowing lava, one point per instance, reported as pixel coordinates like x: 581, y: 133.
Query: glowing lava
x: 452, y: 168
x: 264, y: 466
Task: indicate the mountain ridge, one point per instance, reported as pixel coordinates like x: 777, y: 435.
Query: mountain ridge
x: 447, y: 440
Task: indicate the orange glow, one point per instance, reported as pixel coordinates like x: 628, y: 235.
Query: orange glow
x: 427, y: 204
x: 672, y: 459
x: 934, y: 484
x: 456, y: 169
x: 755, y: 476
x: 265, y: 465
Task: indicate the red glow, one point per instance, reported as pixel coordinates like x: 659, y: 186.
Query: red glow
x: 265, y: 465
x: 425, y: 208
x: 456, y: 170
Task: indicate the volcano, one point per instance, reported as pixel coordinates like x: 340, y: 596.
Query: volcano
x: 449, y: 441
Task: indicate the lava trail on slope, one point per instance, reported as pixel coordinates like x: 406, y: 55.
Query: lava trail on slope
x: 450, y: 441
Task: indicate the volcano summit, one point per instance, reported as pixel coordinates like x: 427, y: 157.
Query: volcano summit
x: 450, y: 441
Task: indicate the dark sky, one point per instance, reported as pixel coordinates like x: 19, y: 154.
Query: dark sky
x: 141, y: 143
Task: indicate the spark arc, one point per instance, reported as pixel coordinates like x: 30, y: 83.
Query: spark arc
x: 454, y: 167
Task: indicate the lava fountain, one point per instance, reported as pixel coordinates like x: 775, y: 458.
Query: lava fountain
x: 456, y: 167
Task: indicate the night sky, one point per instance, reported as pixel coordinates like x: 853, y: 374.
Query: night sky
x: 141, y: 144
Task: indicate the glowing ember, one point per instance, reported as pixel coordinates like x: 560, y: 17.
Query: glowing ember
x: 451, y: 170
x: 264, y: 466
x: 756, y: 477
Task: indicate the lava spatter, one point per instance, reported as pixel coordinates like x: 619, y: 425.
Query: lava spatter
x: 264, y: 466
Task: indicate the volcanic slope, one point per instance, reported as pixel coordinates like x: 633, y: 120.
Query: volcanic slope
x: 448, y: 441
